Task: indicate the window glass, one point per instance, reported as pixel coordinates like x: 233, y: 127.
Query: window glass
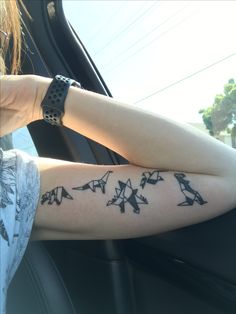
x: 22, y: 140
x: 170, y: 57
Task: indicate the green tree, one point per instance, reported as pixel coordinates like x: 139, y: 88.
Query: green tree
x: 221, y: 116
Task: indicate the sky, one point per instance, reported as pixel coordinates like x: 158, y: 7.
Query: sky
x: 170, y: 57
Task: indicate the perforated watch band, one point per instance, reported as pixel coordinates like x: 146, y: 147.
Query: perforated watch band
x: 54, y: 100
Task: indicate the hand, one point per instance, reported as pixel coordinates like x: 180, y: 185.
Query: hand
x: 18, y: 102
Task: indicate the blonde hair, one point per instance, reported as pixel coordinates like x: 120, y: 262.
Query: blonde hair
x: 10, y: 23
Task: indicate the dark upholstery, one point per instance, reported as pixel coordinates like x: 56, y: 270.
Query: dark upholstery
x: 37, y: 287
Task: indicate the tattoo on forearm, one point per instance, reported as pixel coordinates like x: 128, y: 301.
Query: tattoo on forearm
x: 150, y: 178
x: 55, y: 196
x: 190, y: 194
x: 94, y: 184
x: 125, y: 195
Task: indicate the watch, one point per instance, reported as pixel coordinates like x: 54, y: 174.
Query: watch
x: 54, y: 101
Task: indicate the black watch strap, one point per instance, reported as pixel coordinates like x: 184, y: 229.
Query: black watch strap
x: 54, y: 100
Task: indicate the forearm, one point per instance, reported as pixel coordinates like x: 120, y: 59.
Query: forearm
x: 144, y: 138
x: 80, y: 201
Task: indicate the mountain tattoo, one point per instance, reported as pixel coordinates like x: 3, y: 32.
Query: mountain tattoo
x: 126, y: 194
x: 190, y: 194
x: 93, y: 185
x: 150, y: 178
x: 55, y: 196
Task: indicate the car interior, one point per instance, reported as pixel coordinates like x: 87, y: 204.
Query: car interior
x: 190, y: 270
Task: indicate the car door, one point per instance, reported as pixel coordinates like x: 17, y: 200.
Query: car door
x: 191, y: 270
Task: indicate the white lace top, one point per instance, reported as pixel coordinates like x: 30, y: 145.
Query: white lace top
x: 19, y: 194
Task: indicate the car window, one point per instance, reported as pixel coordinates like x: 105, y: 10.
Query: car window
x: 175, y: 58
x: 22, y: 140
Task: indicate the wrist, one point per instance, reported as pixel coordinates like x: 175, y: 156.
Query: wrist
x: 42, y: 87
x: 53, y: 103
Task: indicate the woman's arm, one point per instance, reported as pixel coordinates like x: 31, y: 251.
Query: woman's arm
x: 80, y: 201
x: 134, y: 201
x: 145, y: 139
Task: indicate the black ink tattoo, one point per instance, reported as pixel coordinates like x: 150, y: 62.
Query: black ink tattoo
x: 126, y: 194
x: 150, y: 177
x: 56, y: 195
x: 3, y: 232
x: 94, y: 184
x: 190, y: 194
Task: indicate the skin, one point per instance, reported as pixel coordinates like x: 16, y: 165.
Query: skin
x: 126, y: 208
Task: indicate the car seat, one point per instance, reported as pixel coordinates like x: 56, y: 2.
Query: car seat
x: 37, y: 286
